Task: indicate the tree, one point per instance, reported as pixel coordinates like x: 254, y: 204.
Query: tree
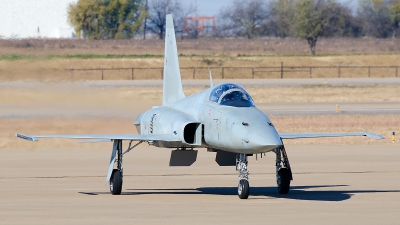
x: 395, y: 17
x: 339, y: 20
x: 282, y: 18
x: 376, y: 18
x: 244, y: 18
x: 315, y: 18
x: 158, y: 9
x: 106, y: 19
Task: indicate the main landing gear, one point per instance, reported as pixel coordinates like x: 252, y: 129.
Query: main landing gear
x: 283, y: 171
x: 115, y: 175
x: 241, y: 166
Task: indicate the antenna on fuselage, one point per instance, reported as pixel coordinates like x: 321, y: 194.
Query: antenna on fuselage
x: 211, y: 82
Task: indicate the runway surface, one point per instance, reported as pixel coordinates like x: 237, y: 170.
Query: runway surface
x: 342, y: 184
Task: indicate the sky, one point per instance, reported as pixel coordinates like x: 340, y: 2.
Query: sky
x: 21, y: 18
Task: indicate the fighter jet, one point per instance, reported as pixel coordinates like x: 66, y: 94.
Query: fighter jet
x: 222, y: 119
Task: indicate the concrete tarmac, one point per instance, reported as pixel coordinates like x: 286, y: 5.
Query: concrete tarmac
x: 335, y: 184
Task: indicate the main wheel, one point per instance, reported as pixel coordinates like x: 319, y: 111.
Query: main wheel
x: 243, y: 189
x: 283, y: 180
x: 116, y: 182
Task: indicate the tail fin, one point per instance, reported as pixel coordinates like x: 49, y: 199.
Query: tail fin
x: 172, y: 87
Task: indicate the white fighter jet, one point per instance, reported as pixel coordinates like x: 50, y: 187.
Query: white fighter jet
x: 222, y: 119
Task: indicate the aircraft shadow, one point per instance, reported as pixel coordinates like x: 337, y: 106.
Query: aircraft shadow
x: 296, y: 192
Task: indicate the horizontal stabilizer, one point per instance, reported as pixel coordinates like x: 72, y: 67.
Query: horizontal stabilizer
x: 318, y: 135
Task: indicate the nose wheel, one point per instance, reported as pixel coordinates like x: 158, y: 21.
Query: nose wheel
x: 243, y: 186
x: 243, y: 189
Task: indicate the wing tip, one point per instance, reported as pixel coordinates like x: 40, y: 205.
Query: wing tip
x: 26, y: 137
x: 372, y: 135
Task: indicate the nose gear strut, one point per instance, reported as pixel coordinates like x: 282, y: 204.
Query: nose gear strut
x: 241, y: 166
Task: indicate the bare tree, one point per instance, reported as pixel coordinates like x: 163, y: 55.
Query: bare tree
x: 158, y: 9
x: 244, y: 18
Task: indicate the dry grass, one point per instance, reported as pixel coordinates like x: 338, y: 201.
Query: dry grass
x: 199, y: 53
x: 203, y: 46
x: 62, y: 69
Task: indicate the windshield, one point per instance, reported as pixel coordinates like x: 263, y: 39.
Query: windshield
x: 231, y: 95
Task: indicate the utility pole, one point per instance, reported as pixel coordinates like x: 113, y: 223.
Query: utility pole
x: 145, y: 21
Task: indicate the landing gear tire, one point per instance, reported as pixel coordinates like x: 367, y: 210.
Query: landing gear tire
x: 116, y: 182
x: 283, y: 180
x: 243, y: 189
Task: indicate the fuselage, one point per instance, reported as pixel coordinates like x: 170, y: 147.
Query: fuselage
x: 221, y: 117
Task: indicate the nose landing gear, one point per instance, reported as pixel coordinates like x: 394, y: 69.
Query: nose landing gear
x: 241, y: 166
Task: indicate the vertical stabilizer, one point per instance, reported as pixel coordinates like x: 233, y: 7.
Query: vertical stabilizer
x: 172, y: 87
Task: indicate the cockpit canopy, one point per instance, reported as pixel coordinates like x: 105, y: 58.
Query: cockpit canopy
x: 231, y: 95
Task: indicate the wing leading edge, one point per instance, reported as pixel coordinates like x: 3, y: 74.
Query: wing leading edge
x: 318, y: 135
x: 103, y: 137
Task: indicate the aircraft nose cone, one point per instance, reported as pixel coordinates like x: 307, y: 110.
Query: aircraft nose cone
x: 264, y: 142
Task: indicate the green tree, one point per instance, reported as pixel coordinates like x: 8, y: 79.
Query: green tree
x: 376, y: 18
x: 395, y: 17
x: 106, y: 19
x: 282, y: 17
x: 315, y: 18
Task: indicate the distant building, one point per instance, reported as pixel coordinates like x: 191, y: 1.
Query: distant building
x: 200, y: 25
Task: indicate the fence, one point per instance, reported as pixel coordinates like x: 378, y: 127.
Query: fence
x: 132, y: 73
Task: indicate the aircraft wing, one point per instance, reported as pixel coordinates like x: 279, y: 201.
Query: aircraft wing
x: 105, y: 137
x: 318, y: 135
